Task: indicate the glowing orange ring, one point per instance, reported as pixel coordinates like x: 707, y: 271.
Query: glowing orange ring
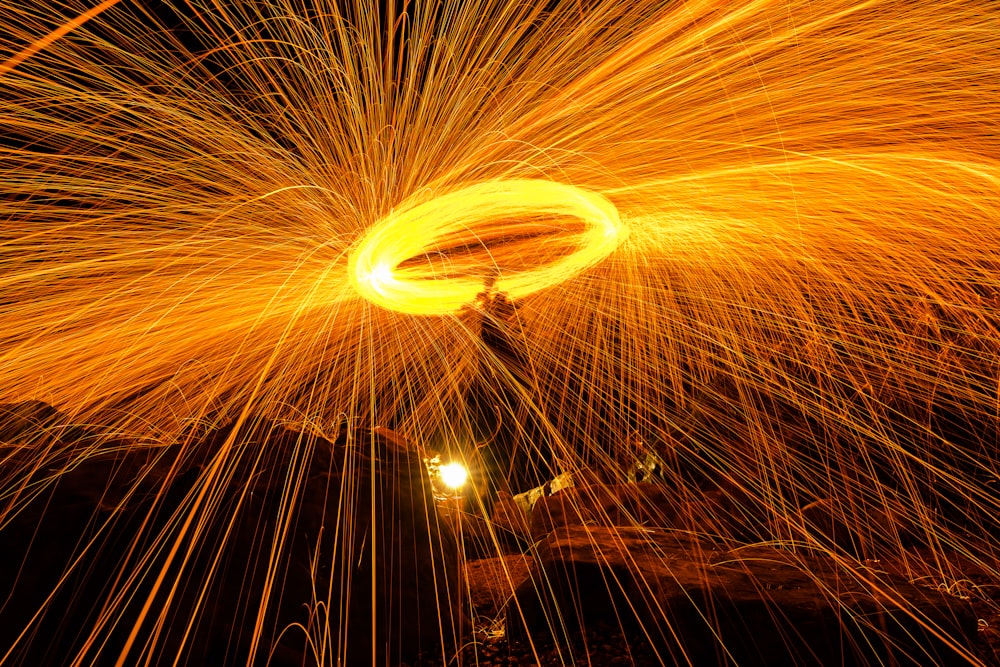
x: 374, y: 264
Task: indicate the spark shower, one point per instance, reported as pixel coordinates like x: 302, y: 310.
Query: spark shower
x: 761, y: 236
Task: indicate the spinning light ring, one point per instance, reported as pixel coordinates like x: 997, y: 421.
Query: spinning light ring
x: 377, y: 265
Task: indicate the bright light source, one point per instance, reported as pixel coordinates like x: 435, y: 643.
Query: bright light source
x: 454, y: 475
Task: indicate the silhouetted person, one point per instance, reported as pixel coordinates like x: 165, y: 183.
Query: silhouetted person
x: 516, y: 452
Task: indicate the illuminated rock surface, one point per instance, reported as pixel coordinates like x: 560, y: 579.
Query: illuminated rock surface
x: 635, y: 504
x: 768, y: 606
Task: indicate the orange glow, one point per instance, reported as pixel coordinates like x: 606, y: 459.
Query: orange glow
x: 758, y: 239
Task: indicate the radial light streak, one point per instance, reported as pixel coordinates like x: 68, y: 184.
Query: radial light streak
x: 759, y: 239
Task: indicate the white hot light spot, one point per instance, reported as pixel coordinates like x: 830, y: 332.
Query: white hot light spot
x: 380, y: 277
x: 454, y: 475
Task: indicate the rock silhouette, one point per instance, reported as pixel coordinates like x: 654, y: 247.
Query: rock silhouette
x: 255, y: 544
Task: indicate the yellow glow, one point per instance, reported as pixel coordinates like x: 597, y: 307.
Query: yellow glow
x: 534, y: 211
x: 454, y: 475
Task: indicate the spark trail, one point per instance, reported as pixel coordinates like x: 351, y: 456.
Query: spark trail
x: 770, y: 226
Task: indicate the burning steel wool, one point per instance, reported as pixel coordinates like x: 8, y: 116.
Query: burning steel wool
x: 523, y: 211
x: 705, y: 296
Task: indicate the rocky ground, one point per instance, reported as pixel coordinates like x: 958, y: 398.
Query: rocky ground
x: 601, y: 577
x: 604, y: 643
x: 587, y: 574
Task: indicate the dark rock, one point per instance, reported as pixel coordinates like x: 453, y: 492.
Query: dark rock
x: 650, y: 505
x: 246, y: 545
x: 482, y: 537
x: 18, y: 419
x: 509, y: 517
x: 33, y: 421
x: 492, y: 581
x: 478, y: 539
x: 563, y: 508
x: 701, y: 604
x: 830, y: 526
